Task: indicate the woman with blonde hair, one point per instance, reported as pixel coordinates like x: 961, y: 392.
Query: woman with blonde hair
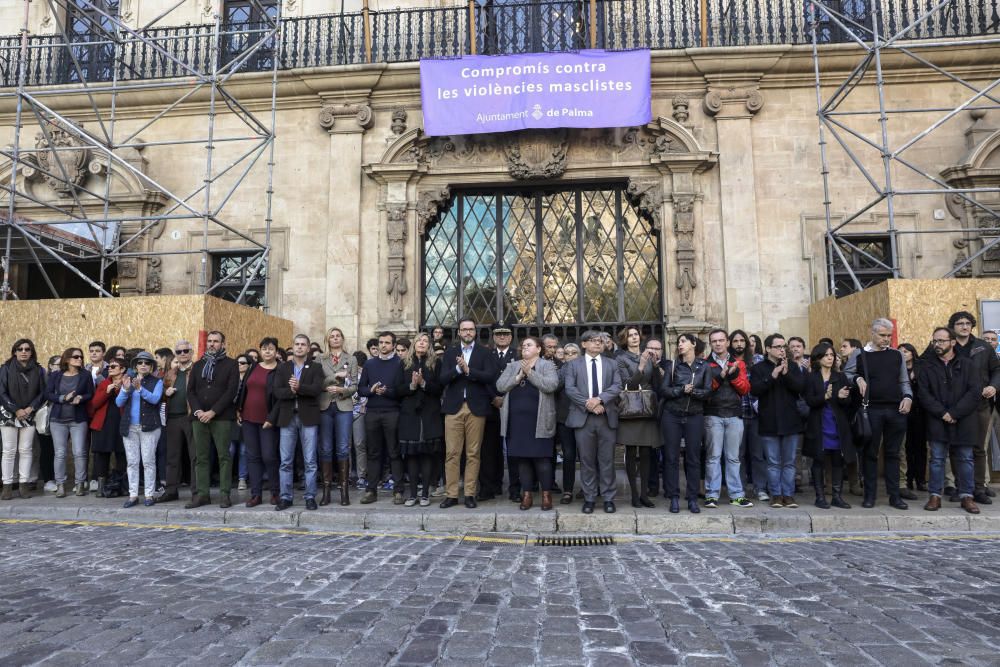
x: 336, y: 405
x: 421, y: 426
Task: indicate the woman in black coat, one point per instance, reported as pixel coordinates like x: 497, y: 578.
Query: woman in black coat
x: 828, y: 431
x: 421, y: 426
x: 916, y: 425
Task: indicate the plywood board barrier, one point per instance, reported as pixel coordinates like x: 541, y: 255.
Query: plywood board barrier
x: 848, y: 317
x: 148, y: 322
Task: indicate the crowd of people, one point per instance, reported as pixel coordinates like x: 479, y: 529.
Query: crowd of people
x: 753, y: 419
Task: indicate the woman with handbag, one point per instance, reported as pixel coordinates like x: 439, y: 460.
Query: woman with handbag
x: 528, y: 418
x: 686, y: 386
x: 105, y: 423
x: 69, y: 390
x: 22, y: 385
x: 638, y: 421
x: 828, y: 429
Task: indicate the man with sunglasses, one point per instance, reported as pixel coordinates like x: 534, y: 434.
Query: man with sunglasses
x: 178, y: 429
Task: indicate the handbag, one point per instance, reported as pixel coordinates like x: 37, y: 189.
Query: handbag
x: 861, y: 424
x: 42, y: 415
x: 636, y: 403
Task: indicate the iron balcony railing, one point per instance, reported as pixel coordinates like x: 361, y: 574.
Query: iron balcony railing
x: 522, y: 26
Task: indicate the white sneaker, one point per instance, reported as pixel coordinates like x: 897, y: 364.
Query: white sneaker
x: 439, y: 492
x: 50, y: 485
x: 425, y: 502
x: 410, y: 502
x: 93, y: 485
x: 242, y: 486
x: 763, y: 497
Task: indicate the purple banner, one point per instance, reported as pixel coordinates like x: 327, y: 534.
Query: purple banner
x: 477, y: 94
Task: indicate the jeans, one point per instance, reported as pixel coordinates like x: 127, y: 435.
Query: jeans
x: 62, y: 434
x: 140, y: 448
x: 262, y: 454
x: 756, y: 470
x: 723, y: 434
x: 335, y: 426
x: 674, y: 428
x: 290, y: 434
x: 360, y: 448
x: 239, y: 447
x: 962, y: 462
x: 780, y: 452
x: 17, y: 443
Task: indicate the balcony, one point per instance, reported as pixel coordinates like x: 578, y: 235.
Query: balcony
x: 527, y: 26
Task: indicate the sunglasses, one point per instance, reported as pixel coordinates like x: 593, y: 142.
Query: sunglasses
x: 77, y: 356
x: 143, y: 362
x: 23, y: 349
x: 113, y: 366
x: 242, y: 362
x: 188, y: 351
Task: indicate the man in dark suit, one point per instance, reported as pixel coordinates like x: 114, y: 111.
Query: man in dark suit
x: 297, y: 386
x: 468, y: 374
x: 491, y: 455
x: 211, y: 389
x: 592, y: 386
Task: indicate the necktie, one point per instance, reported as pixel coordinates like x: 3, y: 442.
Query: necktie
x: 593, y: 379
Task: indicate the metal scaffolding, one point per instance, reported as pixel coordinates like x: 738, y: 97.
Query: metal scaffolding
x: 73, y: 222
x: 879, y: 37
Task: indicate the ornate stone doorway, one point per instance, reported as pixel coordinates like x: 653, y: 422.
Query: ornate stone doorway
x: 558, y: 259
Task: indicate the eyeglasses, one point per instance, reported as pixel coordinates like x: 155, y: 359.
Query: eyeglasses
x: 23, y: 349
x: 77, y: 356
x: 940, y: 341
x: 779, y: 347
x: 188, y: 351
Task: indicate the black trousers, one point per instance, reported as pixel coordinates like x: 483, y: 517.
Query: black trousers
x: 262, y: 454
x: 567, y: 438
x: 888, y: 431
x: 637, y: 467
x: 419, y: 467
x: 836, y: 459
x: 46, y: 458
x: 178, y: 434
x: 535, y: 469
x: 916, y: 447
x: 690, y: 429
x: 491, y: 456
x: 381, y: 434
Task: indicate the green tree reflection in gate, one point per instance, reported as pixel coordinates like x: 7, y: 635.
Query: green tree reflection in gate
x: 580, y: 256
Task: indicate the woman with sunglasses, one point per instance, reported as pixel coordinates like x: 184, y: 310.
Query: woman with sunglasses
x: 254, y: 400
x: 106, y: 425
x: 21, y: 394
x: 69, y: 390
x: 140, y: 425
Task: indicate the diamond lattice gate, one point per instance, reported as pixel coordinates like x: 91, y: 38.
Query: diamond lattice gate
x: 553, y: 260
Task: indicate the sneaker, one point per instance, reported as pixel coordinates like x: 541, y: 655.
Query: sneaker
x: 776, y: 503
x: 389, y: 485
x: 159, y: 492
x: 242, y: 486
x: 425, y: 502
x: 93, y: 485
x: 439, y: 492
x: 49, y: 486
x: 410, y: 502
x: 763, y: 497
x: 741, y: 502
x: 362, y: 484
x: 711, y: 503
x: 790, y: 502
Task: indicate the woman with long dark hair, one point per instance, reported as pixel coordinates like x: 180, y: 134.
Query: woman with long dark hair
x: 421, y: 426
x: 684, y: 389
x: 105, y: 422
x: 254, y: 401
x: 916, y: 426
x: 69, y: 390
x: 22, y: 385
x: 828, y: 430
x: 640, y: 437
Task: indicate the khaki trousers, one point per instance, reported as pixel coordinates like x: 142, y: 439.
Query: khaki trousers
x: 462, y: 431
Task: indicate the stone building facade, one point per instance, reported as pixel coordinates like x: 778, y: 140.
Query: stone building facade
x: 725, y: 179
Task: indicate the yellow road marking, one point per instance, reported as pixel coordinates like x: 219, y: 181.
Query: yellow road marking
x: 619, y: 539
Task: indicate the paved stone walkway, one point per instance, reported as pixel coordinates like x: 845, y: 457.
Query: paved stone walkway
x: 79, y: 594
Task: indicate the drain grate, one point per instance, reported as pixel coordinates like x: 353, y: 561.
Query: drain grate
x: 575, y: 541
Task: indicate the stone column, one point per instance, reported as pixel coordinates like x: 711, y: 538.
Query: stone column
x: 733, y: 109
x: 346, y: 124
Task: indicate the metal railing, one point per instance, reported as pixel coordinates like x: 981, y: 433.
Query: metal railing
x: 526, y: 26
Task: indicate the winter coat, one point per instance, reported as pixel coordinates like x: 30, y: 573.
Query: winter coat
x: 420, y: 417
x: 952, y: 388
x: 777, y: 412
x: 814, y: 394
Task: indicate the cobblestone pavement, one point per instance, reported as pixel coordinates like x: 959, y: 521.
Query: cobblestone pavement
x: 117, y: 595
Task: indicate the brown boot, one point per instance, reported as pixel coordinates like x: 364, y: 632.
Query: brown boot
x: 933, y: 504
x: 7, y: 493
x: 969, y: 505
x: 526, y: 500
x: 344, y: 477
x: 546, y: 500
x: 23, y: 491
x: 327, y: 482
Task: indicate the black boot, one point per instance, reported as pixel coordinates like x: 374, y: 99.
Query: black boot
x: 100, y: 488
x: 837, y: 500
x: 820, y: 486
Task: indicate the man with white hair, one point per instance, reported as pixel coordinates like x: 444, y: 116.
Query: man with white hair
x: 879, y: 373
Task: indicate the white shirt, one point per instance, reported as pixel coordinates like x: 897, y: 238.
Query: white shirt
x: 600, y: 374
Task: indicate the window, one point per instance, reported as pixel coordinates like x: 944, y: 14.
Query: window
x: 542, y: 260
x: 245, y: 25
x: 533, y: 26
x: 869, y: 257
x: 233, y: 270
x: 87, y: 26
x: 857, y: 11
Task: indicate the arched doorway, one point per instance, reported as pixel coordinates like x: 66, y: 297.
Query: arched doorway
x: 559, y: 259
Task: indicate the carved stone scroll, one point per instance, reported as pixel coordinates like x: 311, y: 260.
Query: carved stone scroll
x: 363, y: 116
x: 717, y: 100
x: 396, y: 286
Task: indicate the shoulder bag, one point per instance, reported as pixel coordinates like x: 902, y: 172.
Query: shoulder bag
x: 41, y: 418
x: 861, y: 425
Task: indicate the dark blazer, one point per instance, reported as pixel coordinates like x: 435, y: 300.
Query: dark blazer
x: 776, y: 409
x: 310, y: 387
x: 420, y: 409
x: 12, y: 372
x: 219, y: 395
x: 84, y: 389
x: 501, y: 362
x: 955, y: 388
x: 815, y: 397
x: 575, y: 385
x: 478, y: 387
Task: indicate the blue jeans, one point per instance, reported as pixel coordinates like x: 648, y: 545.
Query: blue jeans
x: 289, y: 436
x: 335, y: 424
x: 235, y: 445
x: 780, y: 452
x: 723, y: 434
x: 962, y: 466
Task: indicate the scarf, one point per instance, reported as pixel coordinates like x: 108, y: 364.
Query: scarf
x: 210, y: 359
x: 24, y: 383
